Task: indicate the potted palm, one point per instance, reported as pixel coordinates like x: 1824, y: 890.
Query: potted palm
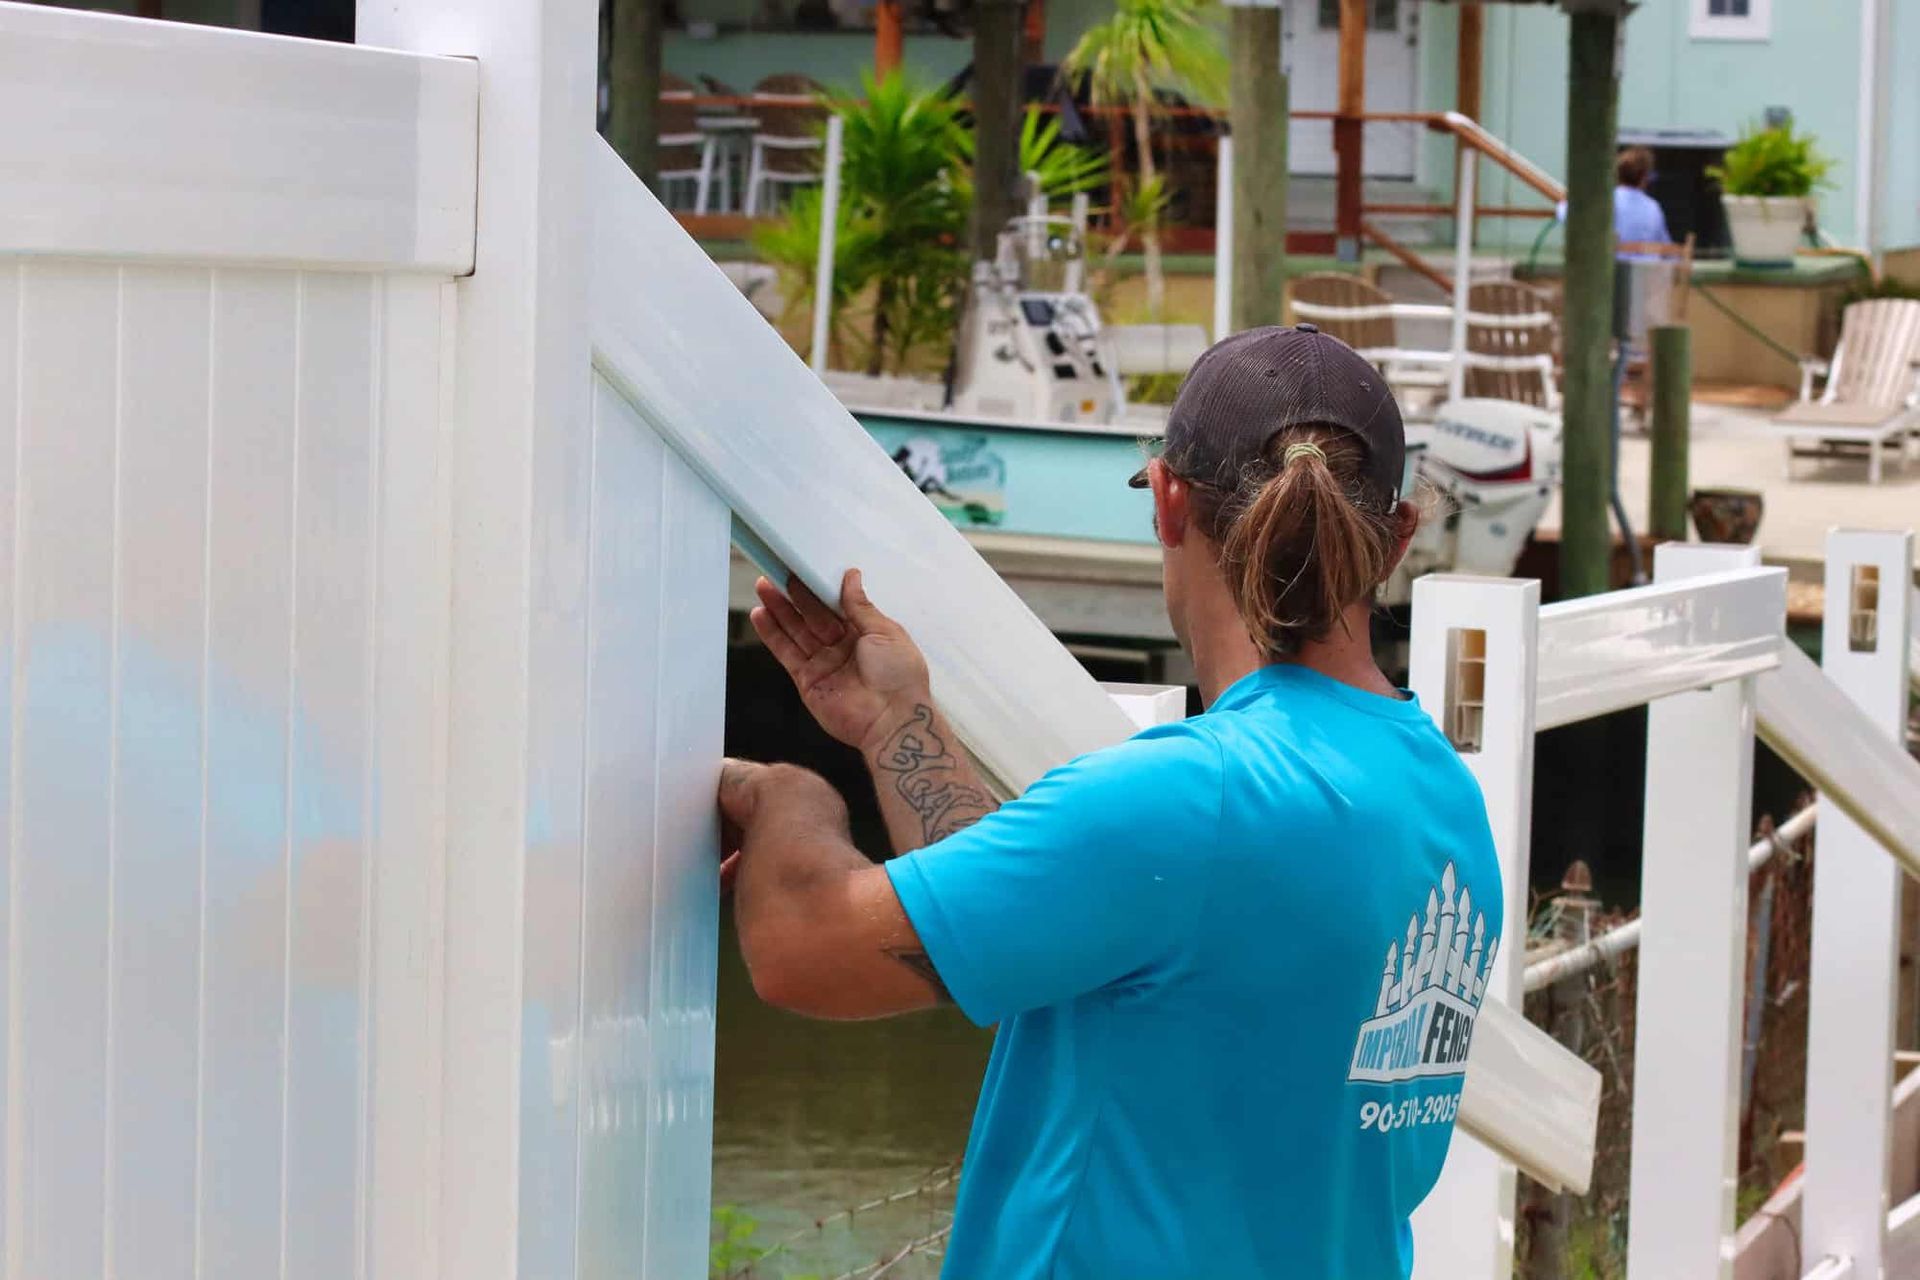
x: 1767, y: 181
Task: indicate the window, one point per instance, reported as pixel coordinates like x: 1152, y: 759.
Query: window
x: 1382, y: 15
x: 1731, y: 20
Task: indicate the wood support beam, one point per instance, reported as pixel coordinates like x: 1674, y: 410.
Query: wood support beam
x: 1257, y: 108
x: 888, y: 42
x: 997, y: 41
x: 1034, y: 31
x: 1349, y: 129
x: 1468, y: 59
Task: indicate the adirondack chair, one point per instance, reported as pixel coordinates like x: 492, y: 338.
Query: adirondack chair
x: 1872, y: 392
x: 1511, y: 332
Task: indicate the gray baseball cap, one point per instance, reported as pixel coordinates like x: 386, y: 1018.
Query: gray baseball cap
x: 1244, y: 389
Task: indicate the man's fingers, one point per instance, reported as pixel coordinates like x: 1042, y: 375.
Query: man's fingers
x: 736, y: 790
x: 819, y: 619
x: 786, y: 617
x: 778, y: 642
x: 860, y: 610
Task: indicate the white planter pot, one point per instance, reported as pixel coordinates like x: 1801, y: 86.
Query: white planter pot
x: 1766, y: 229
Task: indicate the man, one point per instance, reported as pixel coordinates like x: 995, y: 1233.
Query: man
x: 1234, y: 961
x: 1637, y: 216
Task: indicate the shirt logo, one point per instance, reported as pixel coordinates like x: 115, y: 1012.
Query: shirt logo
x: 1430, y: 991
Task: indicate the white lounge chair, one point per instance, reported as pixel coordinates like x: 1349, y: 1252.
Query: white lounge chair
x: 1872, y: 392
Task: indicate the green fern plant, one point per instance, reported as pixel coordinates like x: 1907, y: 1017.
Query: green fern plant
x: 1772, y: 162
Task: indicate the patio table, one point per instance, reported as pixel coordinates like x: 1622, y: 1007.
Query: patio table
x: 727, y: 133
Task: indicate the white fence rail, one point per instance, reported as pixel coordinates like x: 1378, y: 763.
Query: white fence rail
x: 169, y: 142
x: 1704, y: 647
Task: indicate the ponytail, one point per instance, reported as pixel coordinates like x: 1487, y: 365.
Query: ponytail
x: 1301, y: 540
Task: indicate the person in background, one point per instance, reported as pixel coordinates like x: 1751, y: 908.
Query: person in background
x: 1235, y: 961
x: 1637, y: 216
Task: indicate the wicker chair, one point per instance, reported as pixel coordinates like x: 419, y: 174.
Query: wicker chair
x: 1367, y: 319
x: 1511, y: 331
x: 786, y: 145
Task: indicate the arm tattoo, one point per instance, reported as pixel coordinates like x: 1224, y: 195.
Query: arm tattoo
x: 925, y: 776
x: 917, y: 961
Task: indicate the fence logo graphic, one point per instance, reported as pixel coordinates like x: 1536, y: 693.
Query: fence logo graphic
x: 1430, y: 990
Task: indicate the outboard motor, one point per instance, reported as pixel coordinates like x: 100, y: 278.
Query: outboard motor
x: 1495, y: 465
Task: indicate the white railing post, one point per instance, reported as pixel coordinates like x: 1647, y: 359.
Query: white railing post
x: 1223, y: 240
x: 1463, y: 210
x: 1473, y: 666
x: 1693, y: 900
x: 1856, y: 915
x: 829, y: 242
x: 1076, y: 281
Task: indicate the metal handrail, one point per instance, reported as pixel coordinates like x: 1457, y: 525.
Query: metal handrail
x: 1614, y: 942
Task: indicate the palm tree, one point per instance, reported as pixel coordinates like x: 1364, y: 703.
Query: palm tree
x: 1146, y: 48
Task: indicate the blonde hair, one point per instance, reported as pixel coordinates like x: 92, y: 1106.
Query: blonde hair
x: 1301, y: 539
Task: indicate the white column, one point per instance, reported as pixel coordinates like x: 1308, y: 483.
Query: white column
x: 1464, y: 1229
x: 1463, y: 207
x: 1223, y: 241
x: 1076, y: 281
x: 519, y: 405
x: 1693, y: 901
x: 1856, y: 917
x: 829, y: 243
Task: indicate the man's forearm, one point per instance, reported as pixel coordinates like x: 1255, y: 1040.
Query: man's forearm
x: 927, y: 785
x: 797, y: 843
x: 822, y: 930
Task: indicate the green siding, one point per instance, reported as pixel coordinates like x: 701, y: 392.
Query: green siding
x: 1900, y: 150
x: 1671, y: 79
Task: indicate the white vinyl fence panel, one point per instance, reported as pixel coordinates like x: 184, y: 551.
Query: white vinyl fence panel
x: 201, y: 465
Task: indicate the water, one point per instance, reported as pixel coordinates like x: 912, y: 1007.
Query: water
x: 811, y: 1117
x: 814, y: 1117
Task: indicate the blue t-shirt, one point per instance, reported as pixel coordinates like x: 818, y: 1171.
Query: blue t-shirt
x: 1235, y: 962
x: 1638, y: 218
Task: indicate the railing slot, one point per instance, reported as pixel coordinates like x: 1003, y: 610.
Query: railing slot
x: 1466, y: 709
x: 1863, y: 609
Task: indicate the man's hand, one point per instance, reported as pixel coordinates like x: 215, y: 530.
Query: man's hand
x: 820, y: 927
x: 856, y: 676
x: 749, y: 792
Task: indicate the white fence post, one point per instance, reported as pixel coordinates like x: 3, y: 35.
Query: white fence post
x: 1473, y: 666
x: 829, y: 244
x: 1856, y: 914
x: 1464, y: 206
x: 1223, y: 240
x: 1692, y: 958
x: 519, y: 400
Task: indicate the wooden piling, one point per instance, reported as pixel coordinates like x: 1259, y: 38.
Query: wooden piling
x: 1257, y: 112
x: 1671, y: 428
x: 1593, y: 91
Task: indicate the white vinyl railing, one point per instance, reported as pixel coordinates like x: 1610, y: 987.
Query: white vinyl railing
x: 1704, y: 648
